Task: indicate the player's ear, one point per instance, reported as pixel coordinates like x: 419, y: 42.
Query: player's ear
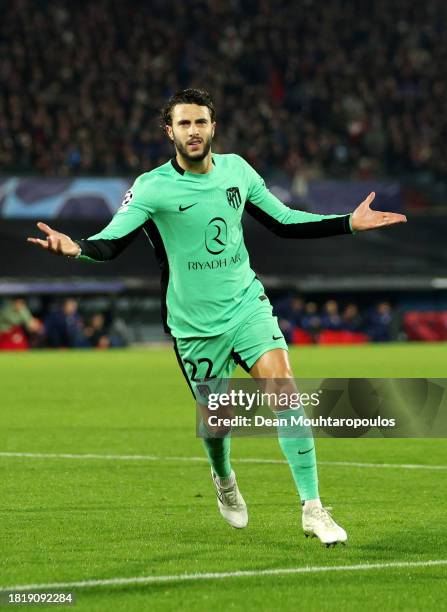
x: 169, y: 132
x: 213, y: 129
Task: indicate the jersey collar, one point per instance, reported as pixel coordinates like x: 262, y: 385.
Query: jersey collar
x: 179, y: 169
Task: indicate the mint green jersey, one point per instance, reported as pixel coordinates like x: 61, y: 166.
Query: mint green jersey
x: 194, y: 222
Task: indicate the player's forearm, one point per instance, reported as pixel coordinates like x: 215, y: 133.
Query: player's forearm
x: 289, y: 223
x: 104, y: 249
x: 112, y: 239
x: 96, y: 250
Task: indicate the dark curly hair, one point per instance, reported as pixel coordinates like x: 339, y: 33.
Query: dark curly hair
x: 186, y: 96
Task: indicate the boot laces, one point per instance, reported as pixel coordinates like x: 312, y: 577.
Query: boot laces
x: 324, y: 516
x: 229, y: 496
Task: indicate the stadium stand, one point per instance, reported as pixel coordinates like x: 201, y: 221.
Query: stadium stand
x: 69, y: 106
x: 328, y: 100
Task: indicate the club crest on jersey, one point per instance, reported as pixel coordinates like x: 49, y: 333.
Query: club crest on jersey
x: 234, y: 197
x: 125, y: 203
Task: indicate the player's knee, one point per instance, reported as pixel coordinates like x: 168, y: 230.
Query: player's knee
x: 217, y: 430
x: 217, y: 422
x: 280, y: 393
x: 279, y: 386
x: 281, y: 371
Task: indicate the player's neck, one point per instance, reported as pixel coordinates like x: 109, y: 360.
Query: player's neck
x: 196, y: 167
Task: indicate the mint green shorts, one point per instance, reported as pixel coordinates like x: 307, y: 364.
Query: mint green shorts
x: 217, y: 356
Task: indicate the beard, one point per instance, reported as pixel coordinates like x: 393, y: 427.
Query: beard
x: 193, y: 157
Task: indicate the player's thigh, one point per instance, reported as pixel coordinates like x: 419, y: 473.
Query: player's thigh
x: 258, y: 341
x: 274, y: 373
x: 261, y: 349
x: 207, y: 366
x: 204, y: 363
x: 274, y: 363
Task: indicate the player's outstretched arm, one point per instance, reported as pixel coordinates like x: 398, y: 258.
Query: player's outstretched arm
x: 56, y: 242
x: 123, y: 228
x: 288, y: 222
x: 364, y: 218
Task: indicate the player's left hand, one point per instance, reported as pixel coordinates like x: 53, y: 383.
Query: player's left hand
x: 364, y: 218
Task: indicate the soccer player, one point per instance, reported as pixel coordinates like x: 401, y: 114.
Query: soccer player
x: 213, y: 305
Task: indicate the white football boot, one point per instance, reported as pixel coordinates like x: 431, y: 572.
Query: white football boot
x: 318, y: 523
x: 230, y: 501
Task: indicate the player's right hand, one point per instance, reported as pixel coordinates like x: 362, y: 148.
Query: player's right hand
x: 55, y: 242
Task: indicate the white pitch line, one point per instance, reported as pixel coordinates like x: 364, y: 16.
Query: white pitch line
x: 407, y: 466
x: 223, y: 575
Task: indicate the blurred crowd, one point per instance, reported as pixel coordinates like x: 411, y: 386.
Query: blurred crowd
x: 342, y: 88
x: 60, y: 326
x: 63, y: 324
x: 305, y: 322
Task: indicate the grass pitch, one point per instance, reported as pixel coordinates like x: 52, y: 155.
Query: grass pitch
x: 79, y: 518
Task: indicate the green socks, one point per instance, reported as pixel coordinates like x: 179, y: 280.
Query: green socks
x: 296, y: 442
x: 218, y: 451
x: 298, y: 446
